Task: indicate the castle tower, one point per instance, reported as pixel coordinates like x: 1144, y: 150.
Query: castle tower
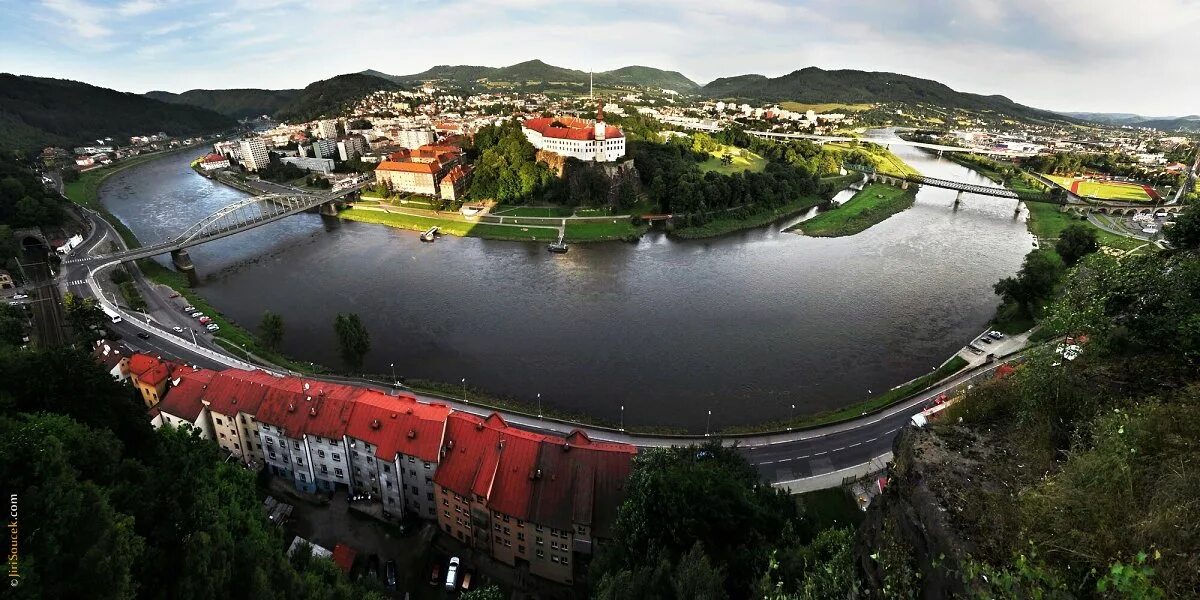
x: 601, y: 128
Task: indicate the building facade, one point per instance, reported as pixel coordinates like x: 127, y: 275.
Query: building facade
x: 253, y: 154
x: 576, y: 138
x: 327, y: 129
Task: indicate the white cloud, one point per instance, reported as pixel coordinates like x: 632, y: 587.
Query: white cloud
x: 83, y: 19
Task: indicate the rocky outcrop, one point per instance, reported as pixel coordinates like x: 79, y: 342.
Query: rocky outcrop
x: 945, y: 501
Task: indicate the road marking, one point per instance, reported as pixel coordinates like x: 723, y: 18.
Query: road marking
x: 767, y: 462
x: 77, y: 282
x: 820, y: 453
x: 839, y: 449
x: 853, y: 445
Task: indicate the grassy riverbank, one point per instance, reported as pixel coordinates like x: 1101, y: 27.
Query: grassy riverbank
x: 740, y: 219
x: 875, y: 403
x: 873, y: 204
x: 587, y: 231
x: 1047, y: 223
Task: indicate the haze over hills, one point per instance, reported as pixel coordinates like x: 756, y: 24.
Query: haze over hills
x: 328, y: 96
x: 816, y: 85
x: 37, y: 111
x: 538, y: 71
x: 236, y: 103
x: 1186, y: 123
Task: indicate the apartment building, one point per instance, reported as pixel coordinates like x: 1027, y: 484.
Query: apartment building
x: 412, y: 138
x: 182, y: 408
x: 325, y: 148
x: 327, y: 129
x: 253, y: 154
x: 149, y: 377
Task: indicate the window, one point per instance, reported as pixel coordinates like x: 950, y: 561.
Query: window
x: 296, y: 445
x: 427, y: 466
x: 520, y: 523
x: 272, y: 453
x: 302, y: 477
x: 337, y: 472
x: 386, y: 469
x: 521, y: 549
x: 554, y: 558
x: 412, y: 473
x: 321, y: 453
x: 540, y: 542
x: 337, y: 457
x: 411, y: 459
x: 221, y: 434
x: 270, y: 442
x: 445, y: 502
x: 541, y: 554
x: 507, y: 531
x: 563, y: 560
x: 505, y: 518
x: 324, y: 469
x: 218, y: 420
x: 553, y: 545
x: 497, y: 527
x: 507, y: 544
x: 447, y: 513
x: 520, y: 536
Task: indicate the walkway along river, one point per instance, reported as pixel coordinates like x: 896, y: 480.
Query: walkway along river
x: 745, y: 325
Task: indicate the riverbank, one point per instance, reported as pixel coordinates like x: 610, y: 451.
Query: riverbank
x: 870, y: 206
x: 730, y: 222
x: 518, y: 230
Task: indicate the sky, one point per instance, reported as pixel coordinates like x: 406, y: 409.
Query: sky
x: 1079, y: 55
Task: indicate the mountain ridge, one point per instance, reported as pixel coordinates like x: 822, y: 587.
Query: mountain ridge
x: 538, y: 70
x: 238, y: 103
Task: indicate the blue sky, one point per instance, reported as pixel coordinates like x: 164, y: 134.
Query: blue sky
x: 1101, y: 55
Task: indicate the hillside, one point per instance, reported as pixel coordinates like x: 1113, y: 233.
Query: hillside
x: 36, y: 111
x: 814, y: 85
x: 1187, y: 123
x: 236, y: 103
x: 538, y: 71
x: 329, y: 96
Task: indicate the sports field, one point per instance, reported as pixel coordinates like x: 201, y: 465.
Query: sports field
x: 1106, y: 190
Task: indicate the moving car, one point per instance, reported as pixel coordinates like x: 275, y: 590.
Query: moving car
x: 143, y: 335
x: 452, y: 574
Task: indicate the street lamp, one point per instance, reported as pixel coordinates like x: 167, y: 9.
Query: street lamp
x: 622, y: 417
x: 464, y: 383
x: 539, y: 397
x: 793, y: 416
x: 393, y: 365
x: 708, y: 424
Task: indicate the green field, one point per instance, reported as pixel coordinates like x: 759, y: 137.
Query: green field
x: 1046, y: 222
x: 1103, y: 190
x: 531, y: 211
x: 874, y: 204
x: 620, y: 229
x: 730, y: 224
x: 826, y: 107
x: 743, y: 160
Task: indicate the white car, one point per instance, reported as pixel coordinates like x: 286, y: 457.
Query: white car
x: 177, y: 329
x: 212, y: 327
x: 452, y: 574
x: 20, y: 296
x: 996, y: 335
x: 197, y: 314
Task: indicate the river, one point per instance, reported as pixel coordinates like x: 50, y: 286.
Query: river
x: 745, y: 325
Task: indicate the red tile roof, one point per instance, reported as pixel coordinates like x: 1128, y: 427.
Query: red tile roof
x: 322, y: 410
x: 457, y: 173
x: 149, y: 369
x: 235, y: 390
x: 214, y: 157
x: 409, y: 167
x: 471, y: 455
x: 398, y: 425
x: 183, y: 398
x: 570, y: 128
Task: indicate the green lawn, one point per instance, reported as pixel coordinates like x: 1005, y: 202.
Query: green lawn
x: 874, y: 204
x: 576, y: 232
x: 1046, y: 222
x: 723, y: 225
x: 532, y: 211
x: 743, y: 160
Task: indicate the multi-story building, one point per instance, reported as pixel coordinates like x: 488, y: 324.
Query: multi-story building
x: 352, y: 147
x: 149, y: 376
x: 412, y: 138
x: 454, y: 183
x: 303, y: 429
x: 576, y: 138
x: 182, y: 408
x: 410, y: 177
x: 327, y: 129
x: 253, y: 154
x: 316, y: 165
x: 113, y: 355
x: 214, y: 161
x: 528, y: 499
x: 325, y: 148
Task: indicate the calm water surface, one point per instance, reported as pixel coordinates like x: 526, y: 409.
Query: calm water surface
x: 745, y: 325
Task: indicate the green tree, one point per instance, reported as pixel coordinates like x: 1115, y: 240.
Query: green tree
x: 1034, y: 283
x: 270, y: 329
x: 1075, y: 242
x: 490, y: 592
x: 353, y: 339
x: 84, y: 315
x: 1185, y: 233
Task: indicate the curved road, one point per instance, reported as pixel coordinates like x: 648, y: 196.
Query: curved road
x: 800, y: 460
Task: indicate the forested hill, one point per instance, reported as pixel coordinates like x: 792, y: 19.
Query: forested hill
x: 236, y: 103
x: 538, y: 71
x: 36, y: 112
x: 813, y: 85
x: 330, y: 96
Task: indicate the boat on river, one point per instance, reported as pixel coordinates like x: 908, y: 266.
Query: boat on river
x: 430, y: 234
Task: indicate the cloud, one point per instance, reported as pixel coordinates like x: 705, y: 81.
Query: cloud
x: 81, y: 18
x: 132, y: 8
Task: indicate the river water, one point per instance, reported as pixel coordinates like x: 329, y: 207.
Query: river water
x: 744, y: 325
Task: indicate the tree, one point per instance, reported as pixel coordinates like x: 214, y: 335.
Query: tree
x: 353, y: 339
x: 1185, y: 233
x: 1075, y: 242
x: 84, y: 315
x: 270, y: 329
x: 1033, y: 283
x: 490, y: 592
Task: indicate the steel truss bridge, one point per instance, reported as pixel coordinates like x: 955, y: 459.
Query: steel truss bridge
x: 240, y: 216
x: 969, y: 188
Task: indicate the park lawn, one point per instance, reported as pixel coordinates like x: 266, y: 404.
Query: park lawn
x: 598, y: 231
x: 1047, y: 223
x: 450, y: 226
x: 884, y: 161
x: 874, y: 204
x: 743, y: 160
x: 724, y: 225
x: 531, y: 211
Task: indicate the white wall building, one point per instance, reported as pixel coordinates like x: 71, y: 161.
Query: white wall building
x: 316, y: 165
x: 254, y: 154
x: 327, y: 129
x: 576, y: 138
x: 413, y: 138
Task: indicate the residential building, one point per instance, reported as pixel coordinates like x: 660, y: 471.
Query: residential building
x: 576, y: 138
x: 214, y: 161
x: 454, y: 183
x: 183, y: 408
x: 253, y: 154
x: 413, y: 138
x: 115, y: 358
x: 325, y: 148
x: 327, y: 129
x: 351, y: 147
x: 410, y: 177
x: 316, y: 165
x: 149, y: 376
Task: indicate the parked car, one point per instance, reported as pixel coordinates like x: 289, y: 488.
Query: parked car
x: 373, y: 566
x: 189, y: 308
x: 466, y: 581
x: 389, y: 577
x: 996, y: 335
x: 177, y: 329
x: 212, y: 327
x: 985, y: 340
x: 174, y: 295
x: 20, y: 296
x: 452, y: 574
x: 435, y: 577
x: 197, y: 314
x: 204, y: 320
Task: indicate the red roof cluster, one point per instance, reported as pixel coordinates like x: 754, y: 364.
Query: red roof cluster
x: 569, y: 128
x: 457, y: 173
x: 427, y: 168
x: 214, y: 157
x: 149, y: 369
x: 546, y: 479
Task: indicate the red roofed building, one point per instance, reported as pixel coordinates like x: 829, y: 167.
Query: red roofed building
x: 233, y: 398
x: 343, y: 557
x: 149, y: 375
x: 214, y: 161
x: 410, y: 177
x: 528, y: 498
x: 454, y: 183
x: 182, y: 406
x: 576, y: 138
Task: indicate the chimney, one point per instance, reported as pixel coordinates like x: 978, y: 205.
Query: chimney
x: 412, y: 433
x: 312, y: 412
x: 291, y: 407
x: 375, y: 424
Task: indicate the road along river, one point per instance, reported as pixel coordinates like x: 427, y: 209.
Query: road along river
x: 745, y: 325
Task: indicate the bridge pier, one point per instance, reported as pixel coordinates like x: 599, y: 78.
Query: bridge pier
x: 183, y: 263
x: 904, y: 184
x: 958, y: 198
x: 329, y: 209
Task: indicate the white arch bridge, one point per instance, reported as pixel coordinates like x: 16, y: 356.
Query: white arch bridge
x: 240, y: 216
